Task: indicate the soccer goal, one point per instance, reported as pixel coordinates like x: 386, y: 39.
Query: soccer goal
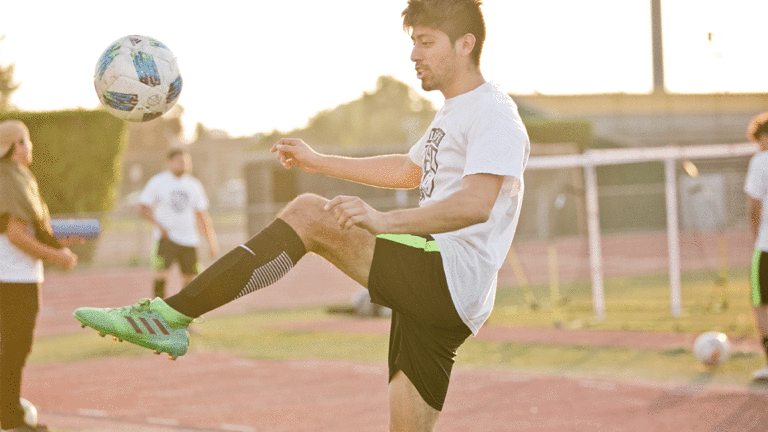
x: 703, y: 196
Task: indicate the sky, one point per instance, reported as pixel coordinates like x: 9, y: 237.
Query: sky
x: 251, y: 67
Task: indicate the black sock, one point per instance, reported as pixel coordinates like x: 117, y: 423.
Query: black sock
x: 260, y: 262
x: 765, y: 347
x: 159, y: 288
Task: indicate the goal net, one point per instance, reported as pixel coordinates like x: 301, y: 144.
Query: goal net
x: 689, y: 198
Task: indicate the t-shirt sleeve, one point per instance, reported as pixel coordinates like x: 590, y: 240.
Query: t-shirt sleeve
x: 416, y: 153
x: 148, y: 196
x: 497, y: 143
x: 755, y: 183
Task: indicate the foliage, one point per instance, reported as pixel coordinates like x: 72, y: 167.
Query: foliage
x: 549, y: 131
x: 7, y: 86
x: 76, y: 157
x: 391, y: 115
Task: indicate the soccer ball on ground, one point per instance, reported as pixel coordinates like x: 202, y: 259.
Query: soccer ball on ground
x: 712, y: 348
x: 30, y: 412
x: 137, y: 78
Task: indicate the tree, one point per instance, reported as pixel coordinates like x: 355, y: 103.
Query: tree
x: 393, y: 114
x: 7, y: 85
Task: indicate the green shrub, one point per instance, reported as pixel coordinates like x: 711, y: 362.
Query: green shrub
x: 76, y: 157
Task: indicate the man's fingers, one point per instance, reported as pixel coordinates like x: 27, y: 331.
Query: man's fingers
x: 284, y: 144
x: 338, y: 201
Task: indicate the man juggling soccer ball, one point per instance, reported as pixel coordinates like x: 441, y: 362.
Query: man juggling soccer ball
x: 435, y: 265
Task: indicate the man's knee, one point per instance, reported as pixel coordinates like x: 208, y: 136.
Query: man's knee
x: 305, y: 214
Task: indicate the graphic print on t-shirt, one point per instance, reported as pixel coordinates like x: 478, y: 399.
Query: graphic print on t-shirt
x: 430, y: 164
x: 179, y: 200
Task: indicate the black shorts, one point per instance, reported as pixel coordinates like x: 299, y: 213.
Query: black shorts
x: 407, y: 276
x: 759, y: 278
x: 167, y: 252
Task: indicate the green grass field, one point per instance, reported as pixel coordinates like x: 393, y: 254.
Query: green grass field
x: 640, y: 303
x: 633, y: 304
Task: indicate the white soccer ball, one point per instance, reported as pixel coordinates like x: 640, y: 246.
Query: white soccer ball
x: 712, y: 348
x: 30, y: 412
x: 137, y: 78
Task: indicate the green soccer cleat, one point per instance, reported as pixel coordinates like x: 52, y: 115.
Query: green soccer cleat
x: 151, y: 324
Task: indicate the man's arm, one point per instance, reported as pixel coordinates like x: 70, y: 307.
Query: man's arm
x: 389, y: 171
x: 754, y: 213
x: 469, y: 206
x: 148, y: 214
x: 206, y: 227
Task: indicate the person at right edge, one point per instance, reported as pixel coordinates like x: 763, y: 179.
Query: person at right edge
x: 435, y: 266
x: 756, y: 188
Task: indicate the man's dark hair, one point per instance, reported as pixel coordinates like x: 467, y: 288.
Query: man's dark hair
x: 758, y: 126
x: 175, y: 152
x: 453, y: 17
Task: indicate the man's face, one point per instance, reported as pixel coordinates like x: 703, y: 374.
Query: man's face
x: 180, y: 164
x: 435, y: 58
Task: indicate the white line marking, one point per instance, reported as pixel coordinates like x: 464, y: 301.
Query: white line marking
x: 92, y: 412
x: 237, y: 428
x: 598, y: 385
x: 162, y: 421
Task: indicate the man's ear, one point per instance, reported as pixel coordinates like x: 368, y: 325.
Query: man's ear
x: 466, y: 44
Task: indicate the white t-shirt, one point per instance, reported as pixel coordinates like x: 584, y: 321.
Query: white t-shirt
x: 175, y: 201
x: 756, y: 186
x: 16, y: 266
x: 478, y: 132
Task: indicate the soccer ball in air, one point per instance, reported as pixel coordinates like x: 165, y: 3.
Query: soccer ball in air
x: 30, y: 412
x: 712, y: 348
x: 137, y: 78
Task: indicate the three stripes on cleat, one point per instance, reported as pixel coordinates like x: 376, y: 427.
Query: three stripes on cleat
x: 146, y: 324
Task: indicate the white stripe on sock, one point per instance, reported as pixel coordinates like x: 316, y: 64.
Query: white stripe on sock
x: 267, y: 274
x: 246, y: 248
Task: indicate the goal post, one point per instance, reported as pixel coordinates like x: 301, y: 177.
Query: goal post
x: 670, y: 156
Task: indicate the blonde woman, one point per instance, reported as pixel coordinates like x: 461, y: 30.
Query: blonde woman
x: 25, y: 240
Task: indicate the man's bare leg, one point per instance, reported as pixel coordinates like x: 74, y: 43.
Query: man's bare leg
x: 407, y: 410
x: 351, y: 251
x: 159, y: 281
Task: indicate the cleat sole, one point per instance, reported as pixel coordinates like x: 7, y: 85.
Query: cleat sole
x: 135, y: 342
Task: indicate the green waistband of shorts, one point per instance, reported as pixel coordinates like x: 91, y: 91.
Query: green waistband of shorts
x: 412, y: 241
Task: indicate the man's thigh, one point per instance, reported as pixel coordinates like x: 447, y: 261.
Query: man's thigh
x: 350, y: 250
